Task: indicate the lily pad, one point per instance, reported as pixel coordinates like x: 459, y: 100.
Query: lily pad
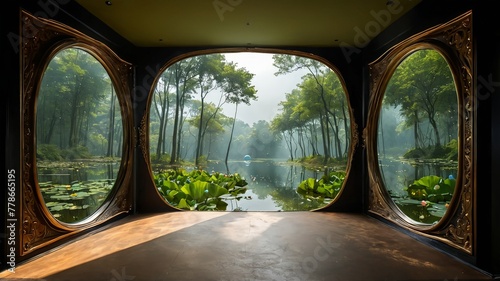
x: 61, y: 197
x: 59, y: 207
x: 51, y: 204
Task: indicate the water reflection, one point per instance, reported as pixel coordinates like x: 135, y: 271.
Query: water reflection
x: 399, y: 175
x: 78, y: 116
x: 77, y: 190
x: 271, y: 185
x: 418, y: 136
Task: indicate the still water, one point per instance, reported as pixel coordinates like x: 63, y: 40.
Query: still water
x: 398, y: 174
x: 73, y: 191
x: 271, y: 185
x: 76, y: 190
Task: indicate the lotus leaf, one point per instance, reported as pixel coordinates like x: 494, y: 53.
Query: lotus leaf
x: 215, y: 190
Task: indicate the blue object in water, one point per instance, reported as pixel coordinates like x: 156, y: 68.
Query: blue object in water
x: 247, y: 158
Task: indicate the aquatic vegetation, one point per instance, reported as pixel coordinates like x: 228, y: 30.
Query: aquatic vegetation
x: 75, y: 201
x: 427, y: 198
x: 198, y: 189
x: 432, y: 188
x: 327, y: 187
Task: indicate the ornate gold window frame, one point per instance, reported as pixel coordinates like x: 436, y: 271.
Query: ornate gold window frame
x: 41, y: 39
x: 145, y: 120
x: 453, y: 40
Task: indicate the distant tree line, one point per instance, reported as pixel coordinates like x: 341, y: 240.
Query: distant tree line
x: 78, y: 114
x: 314, y: 118
x: 423, y: 91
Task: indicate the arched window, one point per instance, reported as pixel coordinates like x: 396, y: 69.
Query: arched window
x: 79, y: 135
x: 249, y: 131
x: 76, y: 133
x: 418, y: 136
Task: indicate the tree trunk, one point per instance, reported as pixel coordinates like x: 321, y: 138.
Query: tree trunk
x: 230, y: 138
x: 200, y: 129
x: 111, y: 131
x: 346, y: 129
x: 173, y: 156
x: 415, y: 130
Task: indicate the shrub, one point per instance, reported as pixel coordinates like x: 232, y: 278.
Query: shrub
x: 77, y: 152
x: 50, y: 152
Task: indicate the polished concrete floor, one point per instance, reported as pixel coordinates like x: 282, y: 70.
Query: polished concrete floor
x: 246, y: 246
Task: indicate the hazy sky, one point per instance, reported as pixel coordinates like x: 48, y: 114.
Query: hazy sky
x: 271, y: 89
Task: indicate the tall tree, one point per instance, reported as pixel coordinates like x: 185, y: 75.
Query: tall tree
x: 209, y: 70
x: 212, y: 126
x: 183, y: 74
x: 73, y: 87
x: 111, y: 122
x: 238, y: 89
x: 422, y: 85
x: 161, y: 103
x: 316, y: 72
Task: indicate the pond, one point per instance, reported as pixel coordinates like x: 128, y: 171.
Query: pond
x: 73, y: 191
x: 76, y: 190
x: 399, y: 174
x: 272, y: 185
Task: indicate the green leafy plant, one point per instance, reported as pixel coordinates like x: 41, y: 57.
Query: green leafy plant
x: 432, y: 188
x: 328, y: 186
x: 199, y: 190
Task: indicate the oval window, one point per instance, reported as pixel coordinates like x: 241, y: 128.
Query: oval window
x: 250, y: 132
x: 418, y: 136
x: 79, y: 135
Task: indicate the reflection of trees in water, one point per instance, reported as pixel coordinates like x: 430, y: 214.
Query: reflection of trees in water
x: 78, y: 171
x: 397, y: 174
x: 418, y: 122
x: 276, y: 179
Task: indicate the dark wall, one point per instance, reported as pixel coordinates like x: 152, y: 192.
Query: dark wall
x: 487, y: 217
x: 66, y: 12
x: 9, y: 127
x: 351, y: 63
x: 486, y: 244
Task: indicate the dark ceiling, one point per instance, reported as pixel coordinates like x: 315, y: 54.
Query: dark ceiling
x: 250, y: 23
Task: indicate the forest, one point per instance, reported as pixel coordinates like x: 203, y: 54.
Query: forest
x: 79, y: 121
x: 313, y: 119
x: 418, y: 141
x: 420, y: 112
x: 79, y: 135
x: 78, y: 112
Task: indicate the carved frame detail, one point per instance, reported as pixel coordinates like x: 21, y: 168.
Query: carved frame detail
x: 41, y: 39
x: 454, y: 41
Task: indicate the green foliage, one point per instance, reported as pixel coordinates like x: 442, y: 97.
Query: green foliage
x: 75, y: 105
x: 52, y: 152
x: 327, y: 187
x: 449, y: 152
x: 415, y: 153
x: 199, y: 190
x: 49, y: 152
x: 432, y: 188
x: 422, y: 88
x: 77, y: 152
x: 319, y: 161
